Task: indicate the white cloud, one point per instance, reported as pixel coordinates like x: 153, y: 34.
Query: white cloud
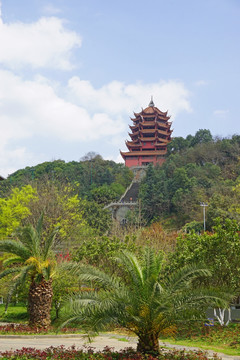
x: 201, y: 83
x: 119, y: 98
x: 11, y: 160
x: 220, y: 113
x: 33, y: 109
x: 45, y: 43
x: 50, y: 9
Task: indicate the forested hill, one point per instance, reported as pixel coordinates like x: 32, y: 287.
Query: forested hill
x: 89, y: 174
x: 198, y: 169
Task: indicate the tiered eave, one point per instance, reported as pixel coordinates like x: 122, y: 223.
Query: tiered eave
x: 150, y: 134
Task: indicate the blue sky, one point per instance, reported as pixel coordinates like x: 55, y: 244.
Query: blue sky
x: 72, y: 72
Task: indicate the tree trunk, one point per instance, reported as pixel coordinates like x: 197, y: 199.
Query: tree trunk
x: 39, y: 303
x: 148, y: 344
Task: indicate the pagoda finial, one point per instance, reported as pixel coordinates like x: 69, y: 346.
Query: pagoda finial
x: 151, y: 102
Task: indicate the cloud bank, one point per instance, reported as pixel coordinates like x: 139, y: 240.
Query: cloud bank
x: 35, y: 107
x: 45, y: 43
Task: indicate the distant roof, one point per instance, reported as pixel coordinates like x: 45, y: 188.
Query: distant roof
x: 1, y: 178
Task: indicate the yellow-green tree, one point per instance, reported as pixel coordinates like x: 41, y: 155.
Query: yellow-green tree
x: 15, y: 208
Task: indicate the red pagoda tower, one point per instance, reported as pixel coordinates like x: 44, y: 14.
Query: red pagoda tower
x: 150, y: 135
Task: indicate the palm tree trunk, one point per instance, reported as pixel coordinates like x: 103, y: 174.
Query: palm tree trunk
x: 148, y: 343
x: 39, y: 303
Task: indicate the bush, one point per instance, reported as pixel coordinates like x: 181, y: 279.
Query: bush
x: 73, y: 353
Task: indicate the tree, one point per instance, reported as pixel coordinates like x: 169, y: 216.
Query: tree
x: 15, y: 208
x: 32, y: 259
x: 139, y: 301
x: 61, y: 207
x: 220, y: 250
x: 202, y: 136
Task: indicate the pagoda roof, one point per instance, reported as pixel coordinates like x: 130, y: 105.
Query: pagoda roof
x: 133, y: 127
x: 133, y: 134
x: 151, y: 110
x: 131, y: 144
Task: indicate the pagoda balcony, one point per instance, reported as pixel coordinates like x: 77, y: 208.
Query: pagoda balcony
x: 144, y: 153
x: 150, y: 123
x: 147, y: 131
x: 162, y: 132
x: 144, y: 139
x: 162, y: 125
x: 133, y: 146
x: 163, y: 141
x: 160, y: 144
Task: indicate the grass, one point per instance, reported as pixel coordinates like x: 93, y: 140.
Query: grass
x: 15, y: 313
x: 225, y: 349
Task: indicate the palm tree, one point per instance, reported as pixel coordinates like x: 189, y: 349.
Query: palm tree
x: 32, y: 259
x: 139, y: 301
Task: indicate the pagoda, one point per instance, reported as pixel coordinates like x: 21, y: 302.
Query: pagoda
x: 150, y: 134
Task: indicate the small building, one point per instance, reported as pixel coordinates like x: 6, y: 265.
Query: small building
x: 150, y: 135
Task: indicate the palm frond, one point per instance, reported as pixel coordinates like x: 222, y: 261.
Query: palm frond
x: 131, y: 266
x: 29, y: 237
x: 12, y: 260
x: 15, y: 247
x: 93, y: 310
x: 49, y: 242
x: 185, y: 276
x: 90, y: 274
x: 20, y: 279
x: 152, y: 264
x: 9, y: 271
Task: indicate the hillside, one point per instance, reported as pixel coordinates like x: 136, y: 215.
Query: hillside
x: 198, y: 169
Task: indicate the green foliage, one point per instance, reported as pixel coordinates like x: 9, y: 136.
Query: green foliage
x: 100, y: 251
x: 15, y: 208
x: 141, y: 301
x: 198, y: 169
x: 92, y: 172
x: 104, y: 195
x: 31, y: 256
x: 15, y: 313
x: 99, y: 220
x: 220, y: 250
x: 211, y: 335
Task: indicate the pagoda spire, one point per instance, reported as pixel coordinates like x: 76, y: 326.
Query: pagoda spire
x: 151, y: 102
